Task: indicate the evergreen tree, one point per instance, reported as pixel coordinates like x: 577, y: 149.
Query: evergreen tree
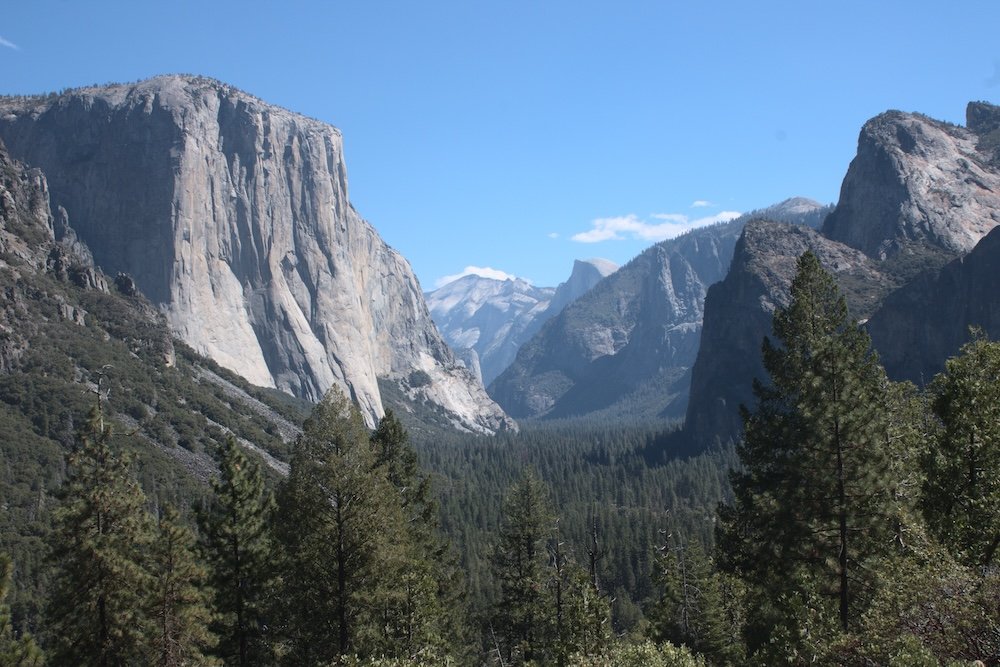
x: 691, y: 611
x: 813, y: 504
x: 961, y: 497
x: 427, y: 614
x: 178, y: 605
x: 102, y: 530
x: 344, y: 542
x: 237, y: 543
x: 14, y: 651
x: 578, y: 617
x: 519, y: 567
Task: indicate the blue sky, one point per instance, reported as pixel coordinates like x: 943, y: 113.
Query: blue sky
x: 491, y: 134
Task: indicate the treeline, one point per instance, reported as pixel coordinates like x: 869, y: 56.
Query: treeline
x: 866, y: 515
x: 619, y: 485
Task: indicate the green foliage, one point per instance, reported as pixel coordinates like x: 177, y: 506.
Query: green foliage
x: 96, y: 606
x: 519, y: 569
x: 339, y: 528
x: 548, y: 609
x: 179, y: 612
x: 962, y: 466
x: 429, y: 610
x: 814, y: 505
x: 15, y: 650
x: 615, y: 482
x: 699, y: 607
x: 238, y: 546
x: 646, y: 654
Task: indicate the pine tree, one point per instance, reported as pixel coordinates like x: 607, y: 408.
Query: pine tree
x: 343, y: 539
x: 178, y: 604
x: 96, y: 611
x: 692, y: 611
x: 14, y: 651
x: 238, y: 546
x: 427, y: 614
x: 577, y: 616
x: 519, y: 567
x: 813, y: 505
x: 961, y: 498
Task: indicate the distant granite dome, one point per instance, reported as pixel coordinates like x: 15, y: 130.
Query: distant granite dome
x: 486, y: 320
x: 233, y: 216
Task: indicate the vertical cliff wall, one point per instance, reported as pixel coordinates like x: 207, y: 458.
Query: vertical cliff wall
x: 233, y: 215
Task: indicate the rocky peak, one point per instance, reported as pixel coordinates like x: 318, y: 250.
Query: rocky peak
x: 586, y: 273
x: 917, y: 182
x: 233, y: 216
x: 984, y: 119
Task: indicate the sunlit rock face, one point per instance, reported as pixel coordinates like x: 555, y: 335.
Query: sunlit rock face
x: 233, y: 215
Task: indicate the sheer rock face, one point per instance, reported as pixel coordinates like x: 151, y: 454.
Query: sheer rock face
x: 233, y: 216
x: 738, y: 313
x: 922, y: 324
x: 919, y: 181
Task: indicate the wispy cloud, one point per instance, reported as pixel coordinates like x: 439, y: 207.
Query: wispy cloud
x: 553, y: 235
x: 484, y: 271
x: 701, y: 203
x: 658, y: 227
x: 9, y: 44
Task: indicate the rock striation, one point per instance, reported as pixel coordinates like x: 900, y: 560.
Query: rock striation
x: 486, y: 320
x: 232, y: 215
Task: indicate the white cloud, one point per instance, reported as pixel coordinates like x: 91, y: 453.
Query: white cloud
x: 701, y: 203
x: 9, y: 44
x: 553, y: 235
x: 484, y: 271
x: 659, y: 227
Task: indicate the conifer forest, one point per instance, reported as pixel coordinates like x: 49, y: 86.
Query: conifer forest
x: 856, y: 522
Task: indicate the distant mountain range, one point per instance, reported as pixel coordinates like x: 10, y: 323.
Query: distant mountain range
x: 486, y: 320
x: 231, y: 216
x: 625, y: 348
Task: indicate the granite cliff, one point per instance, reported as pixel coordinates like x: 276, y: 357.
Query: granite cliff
x: 232, y: 215
x: 918, y: 195
x: 922, y: 324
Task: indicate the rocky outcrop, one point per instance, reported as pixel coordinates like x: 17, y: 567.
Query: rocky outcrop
x: 738, y: 314
x: 918, y: 182
x: 233, y: 216
x: 625, y: 349
x: 918, y: 194
x: 924, y: 323
x: 486, y: 321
